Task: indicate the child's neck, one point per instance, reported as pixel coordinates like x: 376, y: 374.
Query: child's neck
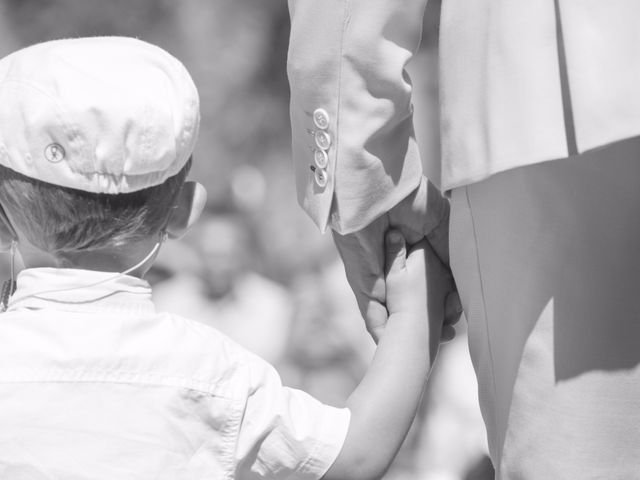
x: 112, y: 259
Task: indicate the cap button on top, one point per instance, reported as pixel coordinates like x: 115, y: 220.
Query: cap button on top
x: 321, y: 118
x: 320, y: 176
x: 321, y: 158
x: 323, y: 140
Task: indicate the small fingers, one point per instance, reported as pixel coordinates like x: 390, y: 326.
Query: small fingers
x: 375, y: 319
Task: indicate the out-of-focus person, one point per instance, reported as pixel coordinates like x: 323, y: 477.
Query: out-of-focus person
x: 220, y: 288
x: 328, y: 350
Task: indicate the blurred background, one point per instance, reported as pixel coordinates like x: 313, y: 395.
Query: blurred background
x: 256, y: 267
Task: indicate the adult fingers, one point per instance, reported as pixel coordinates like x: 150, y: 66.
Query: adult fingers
x: 452, y: 308
x: 448, y: 333
x: 395, y: 252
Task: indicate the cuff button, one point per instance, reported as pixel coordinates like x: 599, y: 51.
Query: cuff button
x: 321, y: 158
x: 320, y: 176
x: 323, y: 140
x: 321, y: 118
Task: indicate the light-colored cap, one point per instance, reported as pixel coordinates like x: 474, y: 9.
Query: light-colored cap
x: 100, y: 114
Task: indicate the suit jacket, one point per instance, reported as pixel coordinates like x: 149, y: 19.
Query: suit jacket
x: 521, y: 82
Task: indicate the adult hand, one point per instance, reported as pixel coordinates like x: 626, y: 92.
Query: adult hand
x: 423, y: 213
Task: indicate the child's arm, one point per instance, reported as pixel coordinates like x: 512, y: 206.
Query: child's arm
x: 384, y: 403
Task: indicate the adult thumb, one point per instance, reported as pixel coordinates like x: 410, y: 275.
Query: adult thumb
x: 395, y: 251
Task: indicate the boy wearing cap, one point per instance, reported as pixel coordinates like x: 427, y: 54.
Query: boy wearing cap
x: 96, y: 137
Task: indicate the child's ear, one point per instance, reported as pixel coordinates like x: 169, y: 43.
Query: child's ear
x: 189, y: 205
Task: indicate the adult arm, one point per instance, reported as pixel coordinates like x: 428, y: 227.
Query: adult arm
x: 347, y: 59
x: 346, y: 68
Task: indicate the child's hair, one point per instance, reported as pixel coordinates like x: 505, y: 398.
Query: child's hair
x: 64, y: 220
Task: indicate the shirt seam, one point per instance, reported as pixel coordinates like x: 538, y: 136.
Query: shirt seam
x: 234, y: 422
x: 83, y: 377
x: 312, y: 456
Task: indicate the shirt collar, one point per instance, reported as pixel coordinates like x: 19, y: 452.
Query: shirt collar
x: 80, y: 290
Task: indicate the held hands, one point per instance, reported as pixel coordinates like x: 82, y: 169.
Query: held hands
x: 424, y: 213
x: 408, y: 276
x: 406, y: 281
x: 405, y: 354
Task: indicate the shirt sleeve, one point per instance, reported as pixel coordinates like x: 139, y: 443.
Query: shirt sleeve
x: 286, y: 433
x: 354, y: 149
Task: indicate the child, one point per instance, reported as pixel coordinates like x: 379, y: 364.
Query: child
x: 96, y: 136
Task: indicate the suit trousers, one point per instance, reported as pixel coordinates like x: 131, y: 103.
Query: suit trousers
x: 547, y: 262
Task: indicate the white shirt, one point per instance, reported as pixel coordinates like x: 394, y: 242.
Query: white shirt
x: 95, y: 384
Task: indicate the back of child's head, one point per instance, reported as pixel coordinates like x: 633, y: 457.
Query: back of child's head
x: 96, y: 136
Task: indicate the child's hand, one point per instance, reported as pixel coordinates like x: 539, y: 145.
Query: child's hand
x: 407, y: 347
x: 416, y: 284
x: 406, y: 282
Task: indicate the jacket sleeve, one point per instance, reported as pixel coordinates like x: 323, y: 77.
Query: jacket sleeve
x: 354, y: 148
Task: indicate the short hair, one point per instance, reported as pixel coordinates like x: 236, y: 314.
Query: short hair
x: 62, y: 220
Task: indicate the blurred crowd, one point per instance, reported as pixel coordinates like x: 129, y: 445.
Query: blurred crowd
x: 255, y: 267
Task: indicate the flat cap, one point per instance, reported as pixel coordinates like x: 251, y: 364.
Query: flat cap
x: 99, y: 114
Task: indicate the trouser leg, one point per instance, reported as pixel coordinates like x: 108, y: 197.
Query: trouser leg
x: 547, y: 260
